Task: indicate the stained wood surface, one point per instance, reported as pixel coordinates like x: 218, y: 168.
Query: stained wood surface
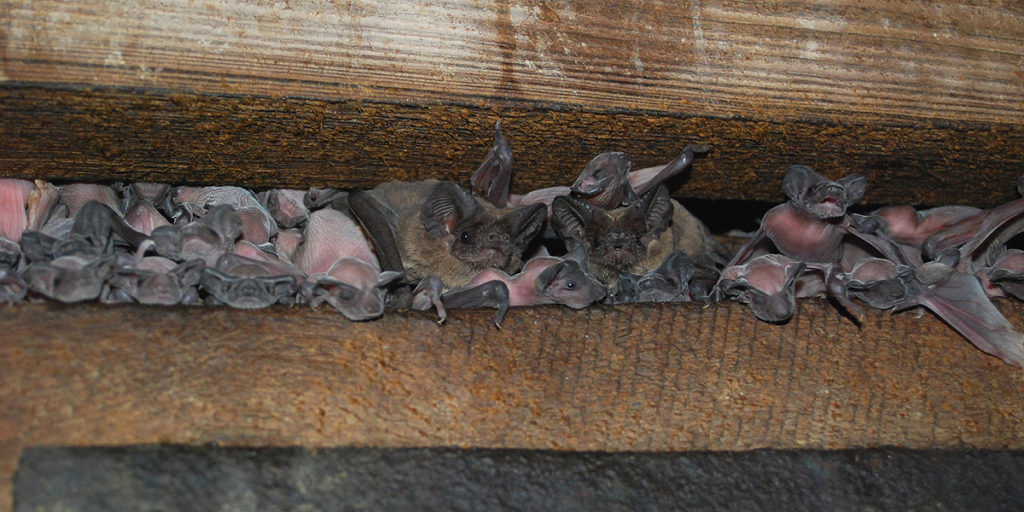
x: 875, y: 60
x: 926, y: 98
x: 101, y: 135
x: 672, y: 377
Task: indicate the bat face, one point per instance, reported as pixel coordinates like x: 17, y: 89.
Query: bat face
x: 766, y: 283
x: 877, y: 281
x: 614, y: 240
x: 568, y: 284
x: 246, y: 284
x: 12, y: 286
x: 670, y: 282
x: 820, y: 196
x: 287, y: 206
x: 473, y: 235
x: 205, y: 238
x: 353, y: 287
x: 69, y: 278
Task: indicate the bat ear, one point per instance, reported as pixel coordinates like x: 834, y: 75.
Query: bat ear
x: 523, y: 223
x: 225, y: 221
x: 546, y: 278
x: 447, y: 206
x: 387, y: 277
x: 571, y: 217
x: 655, y: 210
x: 854, y: 187
x: 579, y: 255
x: 799, y: 179
x: 189, y: 272
x: 793, y: 271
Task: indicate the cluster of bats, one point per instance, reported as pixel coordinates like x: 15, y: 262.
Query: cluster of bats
x: 614, y: 236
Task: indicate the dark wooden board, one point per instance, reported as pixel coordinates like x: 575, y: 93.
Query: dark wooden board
x: 132, y: 134
x: 651, y: 377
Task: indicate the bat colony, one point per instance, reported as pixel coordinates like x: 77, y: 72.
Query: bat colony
x: 613, y: 236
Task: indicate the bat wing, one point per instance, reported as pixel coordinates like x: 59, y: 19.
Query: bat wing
x: 370, y: 215
x: 961, y: 302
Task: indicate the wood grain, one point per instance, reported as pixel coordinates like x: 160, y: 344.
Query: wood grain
x: 654, y: 377
x: 875, y: 61
x: 146, y: 135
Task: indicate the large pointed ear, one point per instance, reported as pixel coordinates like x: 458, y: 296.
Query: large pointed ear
x: 492, y: 179
x: 799, y: 179
x: 653, y: 210
x: 571, y: 218
x: 189, y: 272
x: 854, y: 187
x: 524, y: 223
x: 448, y: 206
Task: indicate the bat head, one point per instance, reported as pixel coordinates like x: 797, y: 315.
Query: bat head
x: 670, y: 282
x: 820, y: 196
x: 247, y: 291
x: 12, y: 286
x: 168, y: 288
x: 615, y: 239
x: 70, y: 278
x: 766, y: 283
x: 567, y: 283
x: 473, y: 235
x: 355, y: 288
x: 606, y: 172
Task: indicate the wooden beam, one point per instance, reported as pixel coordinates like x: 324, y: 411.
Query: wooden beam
x: 130, y: 134
x: 872, y: 61
x: 645, y: 377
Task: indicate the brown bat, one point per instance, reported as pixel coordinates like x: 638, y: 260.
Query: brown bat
x: 634, y: 239
x: 440, y: 229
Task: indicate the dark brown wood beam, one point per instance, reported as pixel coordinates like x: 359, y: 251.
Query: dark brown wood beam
x: 645, y: 377
x: 132, y: 134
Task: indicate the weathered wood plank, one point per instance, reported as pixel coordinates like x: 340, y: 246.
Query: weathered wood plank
x: 106, y: 134
x: 671, y: 377
x: 875, y: 61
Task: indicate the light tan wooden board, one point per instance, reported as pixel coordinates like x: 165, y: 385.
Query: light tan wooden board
x: 870, y: 61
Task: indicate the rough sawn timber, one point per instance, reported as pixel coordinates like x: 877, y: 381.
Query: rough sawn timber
x: 926, y: 98
x: 646, y: 377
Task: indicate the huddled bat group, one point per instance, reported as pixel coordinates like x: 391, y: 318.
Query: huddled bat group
x: 613, y: 236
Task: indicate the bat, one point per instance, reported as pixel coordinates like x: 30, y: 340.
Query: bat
x: 440, y: 229
x: 634, y: 239
x: 878, y: 282
x: 767, y: 284
x: 156, y: 280
x: 542, y: 280
x: 607, y: 181
x: 76, y: 195
x: 257, y: 223
x: 246, y: 283
x: 959, y: 299
x: 25, y: 206
x: 771, y: 283
x: 142, y: 216
x: 286, y: 206
x: 670, y: 282
x: 812, y: 226
x: 205, y: 238
x: 91, y: 234
x: 12, y: 287
x: 71, y: 278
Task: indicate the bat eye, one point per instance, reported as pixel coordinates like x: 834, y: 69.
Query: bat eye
x: 570, y: 285
x: 466, y: 237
